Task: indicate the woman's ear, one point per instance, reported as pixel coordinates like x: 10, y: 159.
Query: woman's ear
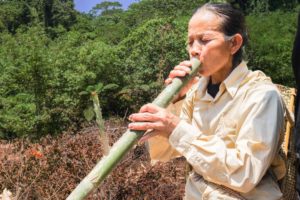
x: 236, y: 43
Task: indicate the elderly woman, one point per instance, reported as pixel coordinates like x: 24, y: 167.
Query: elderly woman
x: 231, y: 118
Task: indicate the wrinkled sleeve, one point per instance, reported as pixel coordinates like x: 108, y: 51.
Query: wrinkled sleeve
x: 159, y: 147
x: 240, y: 167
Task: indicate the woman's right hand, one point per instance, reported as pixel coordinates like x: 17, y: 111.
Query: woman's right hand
x: 182, y: 70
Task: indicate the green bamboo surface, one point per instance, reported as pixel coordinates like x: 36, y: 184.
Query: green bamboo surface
x: 128, y: 140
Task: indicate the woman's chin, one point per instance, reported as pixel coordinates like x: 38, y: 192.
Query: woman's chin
x: 204, y: 72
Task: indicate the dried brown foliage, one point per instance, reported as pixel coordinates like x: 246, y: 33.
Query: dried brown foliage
x: 53, y: 167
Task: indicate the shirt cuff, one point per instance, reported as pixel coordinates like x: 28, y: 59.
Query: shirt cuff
x: 182, y: 136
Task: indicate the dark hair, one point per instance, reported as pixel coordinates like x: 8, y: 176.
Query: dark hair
x: 233, y: 22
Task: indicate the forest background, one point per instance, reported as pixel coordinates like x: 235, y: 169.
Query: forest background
x: 50, y: 54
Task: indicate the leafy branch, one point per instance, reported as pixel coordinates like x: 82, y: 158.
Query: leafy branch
x: 91, y: 112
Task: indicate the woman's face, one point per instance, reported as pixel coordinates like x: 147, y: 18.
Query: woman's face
x: 210, y: 45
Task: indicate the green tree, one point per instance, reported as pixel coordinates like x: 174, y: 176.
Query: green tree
x: 12, y: 15
x: 25, y: 77
x: 49, y: 53
x: 271, y: 38
x: 147, y: 55
x: 107, y: 8
x: 150, y: 9
x: 50, y: 13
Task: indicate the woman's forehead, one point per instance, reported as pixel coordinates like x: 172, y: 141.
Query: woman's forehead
x: 204, y: 20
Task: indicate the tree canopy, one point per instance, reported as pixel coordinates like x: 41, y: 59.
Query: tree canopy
x: 49, y: 53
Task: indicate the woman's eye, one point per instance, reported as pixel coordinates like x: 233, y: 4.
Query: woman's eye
x: 203, y: 41
x: 199, y: 42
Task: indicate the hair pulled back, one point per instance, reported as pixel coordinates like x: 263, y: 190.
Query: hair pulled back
x: 232, y: 22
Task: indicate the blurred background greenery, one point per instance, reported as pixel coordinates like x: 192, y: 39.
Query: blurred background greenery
x: 49, y: 53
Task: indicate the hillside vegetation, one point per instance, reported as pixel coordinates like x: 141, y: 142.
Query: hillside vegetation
x: 50, y: 53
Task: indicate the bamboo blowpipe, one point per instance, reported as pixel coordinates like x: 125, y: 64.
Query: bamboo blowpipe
x: 128, y: 140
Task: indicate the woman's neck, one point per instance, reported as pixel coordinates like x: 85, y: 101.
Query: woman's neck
x: 222, y: 74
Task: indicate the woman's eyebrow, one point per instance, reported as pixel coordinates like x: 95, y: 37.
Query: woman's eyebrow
x: 197, y: 35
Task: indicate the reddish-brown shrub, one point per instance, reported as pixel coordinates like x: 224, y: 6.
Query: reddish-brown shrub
x: 53, y: 167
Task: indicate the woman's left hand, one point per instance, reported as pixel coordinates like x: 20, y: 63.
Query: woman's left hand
x: 155, y: 119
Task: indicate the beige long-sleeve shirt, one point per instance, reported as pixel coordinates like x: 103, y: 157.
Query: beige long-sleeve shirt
x: 232, y: 139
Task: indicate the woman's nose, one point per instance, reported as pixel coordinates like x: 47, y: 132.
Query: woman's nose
x: 195, y: 50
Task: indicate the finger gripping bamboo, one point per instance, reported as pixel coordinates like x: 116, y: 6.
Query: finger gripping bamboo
x: 128, y: 139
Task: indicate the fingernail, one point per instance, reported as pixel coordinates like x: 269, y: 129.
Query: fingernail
x: 140, y: 142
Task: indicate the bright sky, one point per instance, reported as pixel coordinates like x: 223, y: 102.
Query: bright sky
x: 87, y: 5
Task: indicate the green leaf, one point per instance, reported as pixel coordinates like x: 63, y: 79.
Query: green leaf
x: 90, y: 89
x: 110, y: 86
x: 89, y: 113
x: 83, y: 93
x: 99, y: 87
x: 145, y: 87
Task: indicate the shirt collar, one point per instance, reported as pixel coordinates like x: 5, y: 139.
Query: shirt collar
x: 203, y: 82
x: 235, y: 78
x: 231, y: 83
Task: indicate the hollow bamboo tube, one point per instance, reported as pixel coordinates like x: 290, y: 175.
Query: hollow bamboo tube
x: 128, y: 139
